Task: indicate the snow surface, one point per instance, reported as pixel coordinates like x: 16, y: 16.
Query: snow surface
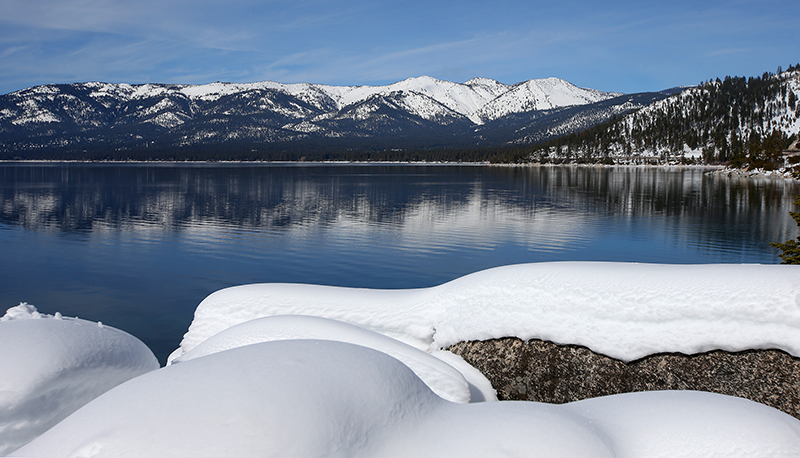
x: 441, y: 377
x: 622, y: 310
x: 255, y: 378
x: 51, y: 365
x: 313, y: 399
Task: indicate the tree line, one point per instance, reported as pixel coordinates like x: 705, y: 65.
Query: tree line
x: 249, y: 152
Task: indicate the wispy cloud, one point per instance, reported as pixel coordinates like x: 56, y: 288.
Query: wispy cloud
x: 77, y: 15
x: 621, y: 45
x: 7, y: 52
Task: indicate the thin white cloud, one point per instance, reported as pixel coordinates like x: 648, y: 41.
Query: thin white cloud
x: 608, y: 46
x: 77, y: 15
x: 7, y: 52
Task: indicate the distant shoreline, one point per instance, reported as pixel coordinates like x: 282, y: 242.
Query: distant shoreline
x: 712, y: 169
x: 484, y: 163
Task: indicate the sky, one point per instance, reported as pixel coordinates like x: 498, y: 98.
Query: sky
x: 622, y: 46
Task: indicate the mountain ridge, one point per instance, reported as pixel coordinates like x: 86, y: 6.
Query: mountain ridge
x: 418, y: 112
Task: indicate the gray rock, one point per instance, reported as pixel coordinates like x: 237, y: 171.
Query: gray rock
x: 546, y: 372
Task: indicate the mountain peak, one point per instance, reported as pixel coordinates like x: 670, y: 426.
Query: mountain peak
x: 478, y: 80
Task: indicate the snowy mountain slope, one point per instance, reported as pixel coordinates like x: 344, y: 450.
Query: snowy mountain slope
x: 461, y: 98
x: 123, y: 116
x: 772, y: 99
x: 535, y: 95
x: 465, y: 99
x: 488, y: 87
x: 527, y: 128
x: 409, y: 102
x: 743, y: 122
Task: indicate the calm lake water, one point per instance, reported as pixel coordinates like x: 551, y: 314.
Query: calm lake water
x: 138, y: 246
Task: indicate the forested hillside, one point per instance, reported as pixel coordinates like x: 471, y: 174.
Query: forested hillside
x: 742, y: 122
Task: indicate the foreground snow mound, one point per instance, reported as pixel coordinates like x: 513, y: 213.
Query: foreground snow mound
x: 693, y: 424
x: 442, y: 378
x: 50, y: 366
x: 623, y: 310
x: 314, y: 399
x: 301, y: 398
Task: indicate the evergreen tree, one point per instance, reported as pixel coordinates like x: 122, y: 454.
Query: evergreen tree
x: 790, y: 248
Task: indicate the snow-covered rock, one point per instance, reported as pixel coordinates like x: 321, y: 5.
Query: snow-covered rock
x: 622, y: 310
x: 52, y: 365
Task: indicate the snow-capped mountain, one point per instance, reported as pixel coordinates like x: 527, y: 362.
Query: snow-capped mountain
x: 421, y: 112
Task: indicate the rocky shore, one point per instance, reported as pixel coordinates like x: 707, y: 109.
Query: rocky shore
x: 546, y: 372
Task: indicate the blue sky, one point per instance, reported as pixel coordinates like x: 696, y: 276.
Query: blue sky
x: 624, y: 46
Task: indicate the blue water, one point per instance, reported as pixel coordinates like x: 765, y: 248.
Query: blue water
x: 139, y: 246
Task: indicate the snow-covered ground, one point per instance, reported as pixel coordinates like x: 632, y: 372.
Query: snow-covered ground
x: 311, y: 371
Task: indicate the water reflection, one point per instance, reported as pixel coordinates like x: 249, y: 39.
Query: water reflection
x: 420, y: 207
x: 78, y: 198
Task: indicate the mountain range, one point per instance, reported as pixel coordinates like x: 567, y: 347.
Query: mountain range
x: 116, y: 120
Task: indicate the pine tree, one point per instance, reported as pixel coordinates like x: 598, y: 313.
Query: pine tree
x: 791, y: 248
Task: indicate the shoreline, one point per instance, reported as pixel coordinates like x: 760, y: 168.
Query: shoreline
x: 443, y: 163
x: 711, y: 170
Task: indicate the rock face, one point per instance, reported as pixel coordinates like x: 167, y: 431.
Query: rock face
x: 546, y: 372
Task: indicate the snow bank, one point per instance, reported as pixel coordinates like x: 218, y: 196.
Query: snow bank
x: 309, y: 398
x: 623, y: 310
x: 441, y: 377
x: 248, y: 380
x: 50, y: 366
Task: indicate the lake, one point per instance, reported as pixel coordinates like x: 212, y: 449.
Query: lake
x: 138, y: 246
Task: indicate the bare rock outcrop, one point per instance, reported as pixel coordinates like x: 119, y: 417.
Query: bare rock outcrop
x: 546, y: 372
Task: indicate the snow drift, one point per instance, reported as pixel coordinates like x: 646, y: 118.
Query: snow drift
x: 51, y: 365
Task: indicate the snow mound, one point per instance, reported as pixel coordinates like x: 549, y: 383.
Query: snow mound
x: 441, y: 377
x: 301, y: 398
x: 690, y: 424
x: 313, y: 399
x: 622, y: 310
x: 50, y: 366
